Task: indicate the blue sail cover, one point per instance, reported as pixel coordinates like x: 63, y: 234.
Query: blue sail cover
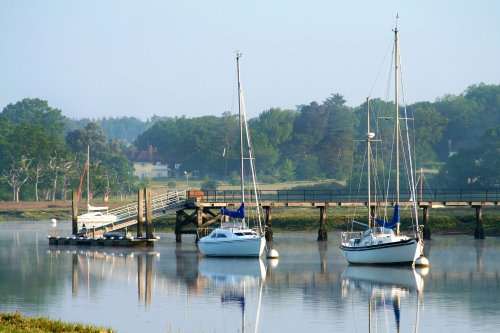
x: 395, y: 219
x: 240, y: 213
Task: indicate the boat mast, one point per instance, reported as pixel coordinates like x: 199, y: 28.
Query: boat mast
x: 368, y: 168
x: 240, y: 115
x: 396, y: 102
x: 88, y: 178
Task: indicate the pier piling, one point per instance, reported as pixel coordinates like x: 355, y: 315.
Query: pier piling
x: 425, y: 217
x: 479, y: 231
x: 149, y: 214
x: 140, y: 212
x: 269, y: 223
x: 74, y: 213
x: 322, y: 232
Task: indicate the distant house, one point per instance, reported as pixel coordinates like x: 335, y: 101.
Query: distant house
x: 149, y: 164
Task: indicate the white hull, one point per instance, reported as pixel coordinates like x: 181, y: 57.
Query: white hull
x: 394, y: 253
x: 232, y: 246
x: 95, y: 220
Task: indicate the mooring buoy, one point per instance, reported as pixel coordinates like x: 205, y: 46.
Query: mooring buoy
x: 422, y: 262
x: 272, y: 254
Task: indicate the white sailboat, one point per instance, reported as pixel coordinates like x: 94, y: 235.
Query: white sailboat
x: 95, y: 217
x: 381, y: 245
x: 234, y: 238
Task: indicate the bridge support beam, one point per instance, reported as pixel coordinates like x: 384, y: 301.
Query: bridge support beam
x: 322, y: 232
x: 427, y: 227
x: 479, y: 231
x: 269, y: 223
x: 178, y: 223
x: 140, y: 212
x: 149, y: 214
x: 74, y: 213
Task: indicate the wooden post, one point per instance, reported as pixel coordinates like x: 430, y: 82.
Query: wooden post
x: 149, y: 214
x: 178, y: 221
x: 74, y: 213
x: 199, y: 217
x: 269, y: 223
x: 479, y: 232
x: 427, y: 227
x: 140, y: 212
x: 322, y: 232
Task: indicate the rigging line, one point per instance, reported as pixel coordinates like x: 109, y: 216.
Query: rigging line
x: 379, y: 144
x: 352, y: 170
x: 252, y: 160
x: 412, y: 177
x: 380, y: 68
x: 353, y: 215
x: 405, y: 107
x: 389, y: 171
x: 410, y: 160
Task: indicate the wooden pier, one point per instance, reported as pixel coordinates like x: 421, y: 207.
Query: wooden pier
x: 203, y: 207
x: 93, y: 237
x: 197, y: 210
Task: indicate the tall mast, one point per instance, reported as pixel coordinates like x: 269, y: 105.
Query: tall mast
x: 396, y: 77
x: 88, y: 177
x: 241, y: 118
x: 396, y: 102
x: 368, y: 169
x: 238, y: 56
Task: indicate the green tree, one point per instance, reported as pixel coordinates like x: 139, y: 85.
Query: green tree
x: 287, y: 171
x: 308, y: 168
x: 36, y: 111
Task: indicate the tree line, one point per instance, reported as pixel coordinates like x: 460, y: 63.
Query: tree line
x: 456, y: 135
x: 41, y: 160
x: 43, y: 153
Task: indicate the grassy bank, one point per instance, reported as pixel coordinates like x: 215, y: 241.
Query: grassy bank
x: 17, y: 323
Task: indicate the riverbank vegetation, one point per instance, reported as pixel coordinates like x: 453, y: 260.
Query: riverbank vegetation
x: 17, y: 323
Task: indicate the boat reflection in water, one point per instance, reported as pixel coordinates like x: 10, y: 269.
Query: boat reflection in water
x: 235, y: 279
x: 385, y: 287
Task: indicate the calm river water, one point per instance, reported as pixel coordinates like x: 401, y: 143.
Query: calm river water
x: 309, y: 289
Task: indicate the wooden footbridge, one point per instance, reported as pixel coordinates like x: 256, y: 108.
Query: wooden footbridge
x: 196, y: 210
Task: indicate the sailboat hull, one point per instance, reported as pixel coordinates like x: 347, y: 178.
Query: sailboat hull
x: 403, y: 252
x: 232, y: 247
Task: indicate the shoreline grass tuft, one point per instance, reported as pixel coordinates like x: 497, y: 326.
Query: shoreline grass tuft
x: 17, y: 323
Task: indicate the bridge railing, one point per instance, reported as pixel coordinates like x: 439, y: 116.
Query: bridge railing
x: 344, y: 195
x: 160, y: 204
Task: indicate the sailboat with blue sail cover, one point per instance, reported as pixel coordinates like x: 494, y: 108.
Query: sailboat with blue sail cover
x: 382, y: 245
x: 234, y: 238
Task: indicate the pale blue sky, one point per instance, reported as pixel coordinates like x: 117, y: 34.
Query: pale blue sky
x: 95, y: 58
